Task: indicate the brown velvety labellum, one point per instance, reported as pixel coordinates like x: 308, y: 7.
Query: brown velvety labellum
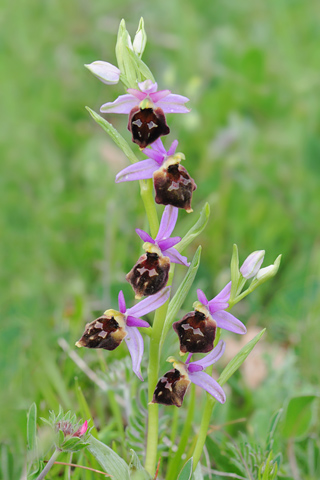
x: 149, y: 275
x: 171, y: 388
x: 104, y: 332
x: 196, y: 332
x: 174, y: 186
x: 147, y: 125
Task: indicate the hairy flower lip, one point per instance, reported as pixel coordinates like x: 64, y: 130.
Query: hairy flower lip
x: 130, y: 320
x: 186, y: 372
x: 217, y: 307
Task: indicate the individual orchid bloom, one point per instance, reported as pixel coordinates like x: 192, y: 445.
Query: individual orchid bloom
x: 113, y: 326
x: 150, y: 274
x: 172, y: 182
x: 104, y: 71
x: 171, y: 388
x: 146, y: 108
x: 252, y: 264
x: 197, y: 329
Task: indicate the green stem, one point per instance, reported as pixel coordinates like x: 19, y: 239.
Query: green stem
x: 149, y: 205
x: 49, y: 465
x: 205, y: 422
x: 153, y: 371
x: 174, y: 464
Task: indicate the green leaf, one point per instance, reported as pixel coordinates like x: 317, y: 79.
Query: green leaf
x: 108, y: 459
x: 32, y: 438
x: 71, y: 443
x: 197, y: 228
x: 114, y: 134
x: 273, y: 425
x: 84, y: 408
x: 186, y: 472
x: 181, y: 294
x: 197, y: 474
x: 141, y: 66
x: 298, y: 416
x: 238, y: 360
x: 137, y: 472
x: 235, y: 274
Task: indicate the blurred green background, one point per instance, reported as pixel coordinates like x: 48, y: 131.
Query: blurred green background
x: 252, y: 144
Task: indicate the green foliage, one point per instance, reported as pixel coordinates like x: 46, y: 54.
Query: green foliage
x: 108, y: 459
x: 186, y: 472
x: 298, y: 416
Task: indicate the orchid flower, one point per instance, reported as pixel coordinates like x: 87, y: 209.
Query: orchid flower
x: 171, y: 388
x: 163, y: 242
x: 113, y: 326
x: 146, y: 108
x: 157, y: 155
x: 197, y: 330
x: 150, y: 274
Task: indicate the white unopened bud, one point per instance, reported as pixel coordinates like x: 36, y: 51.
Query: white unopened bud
x: 104, y: 71
x: 252, y: 264
x: 267, y: 272
x: 140, y: 39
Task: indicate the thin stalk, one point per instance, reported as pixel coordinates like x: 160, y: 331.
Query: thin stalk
x: 149, y: 205
x: 174, y: 464
x: 49, y: 465
x: 205, y: 422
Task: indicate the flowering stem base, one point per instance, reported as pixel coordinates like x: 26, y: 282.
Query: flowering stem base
x: 49, y: 465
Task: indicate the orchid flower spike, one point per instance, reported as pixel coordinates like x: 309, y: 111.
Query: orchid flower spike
x: 172, y: 182
x: 146, y: 108
x: 104, y: 71
x: 171, y: 388
x: 197, y: 330
x: 150, y: 274
x: 113, y: 326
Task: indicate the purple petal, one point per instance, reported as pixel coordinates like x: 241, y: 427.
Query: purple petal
x: 174, y: 104
x: 138, y: 171
x: 201, y: 297
x: 169, y: 242
x: 155, y: 155
x: 134, y: 343
x: 220, y: 301
x: 216, y: 306
x: 121, y: 302
x: 148, y: 87
x: 157, y: 96
x: 137, y: 93
x: 193, y: 367
x: 209, y: 384
x: 175, y: 256
x: 144, y: 236
x: 136, y: 322
x: 168, y: 222
x: 173, y: 147
x: 150, y: 303
x: 228, y: 322
x: 122, y: 104
x: 212, y: 357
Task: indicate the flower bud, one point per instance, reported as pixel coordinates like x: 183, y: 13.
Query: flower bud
x: 105, y: 332
x: 150, y: 274
x: 140, y: 39
x: 267, y: 272
x: 196, y: 331
x: 171, y: 388
x: 104, y: 71
x: 252, y: 264
x: 173, y: 184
